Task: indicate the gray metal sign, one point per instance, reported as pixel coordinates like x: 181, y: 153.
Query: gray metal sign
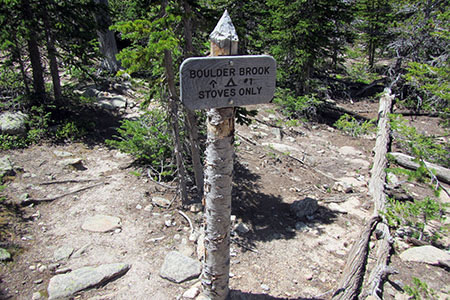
x: 226, y: 81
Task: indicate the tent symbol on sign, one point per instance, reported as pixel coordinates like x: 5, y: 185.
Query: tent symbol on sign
x: 231, y: 83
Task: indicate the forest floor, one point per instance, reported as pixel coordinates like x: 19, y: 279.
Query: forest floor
x: 274, y: 254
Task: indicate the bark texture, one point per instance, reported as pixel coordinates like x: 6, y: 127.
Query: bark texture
x: 173, y: 106
x: 191, y: 117
x: 53, y: 62
x: 33, y: 50
x: 218, y: 178
x: 218, y: 183
x: 108, y: 45
x: 377, y: 190
x: 353, y: 275
x: 406, y: 161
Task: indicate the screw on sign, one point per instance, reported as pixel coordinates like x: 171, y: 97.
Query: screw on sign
x: 218, y: 84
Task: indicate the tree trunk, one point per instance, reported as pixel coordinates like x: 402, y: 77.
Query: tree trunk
x: 18, y: 51
x: 218, y: 178
x: 376, y: 190
x: 353, y: 275
x: 187, y: 21
x: 33, y: 50
x: 195, y: 150
x: 191, y: 118
x: 406, y: 161
x: 51, y: 53
x: 173, y: 98
x: 108, y: 45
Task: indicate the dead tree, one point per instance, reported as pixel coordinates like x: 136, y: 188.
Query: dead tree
x: 190, y: 115
x: 353, y: 276
x: 173, y: 108
x: 108, y: 45
x: 218, y: 177
x: 376, y: 188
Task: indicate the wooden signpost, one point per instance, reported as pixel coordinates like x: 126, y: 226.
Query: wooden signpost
x: 218, y: 84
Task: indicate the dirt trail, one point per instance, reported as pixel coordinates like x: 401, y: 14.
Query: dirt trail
x: 277, y: 253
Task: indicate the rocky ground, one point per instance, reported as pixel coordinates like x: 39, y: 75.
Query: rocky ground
x: 83, y: 214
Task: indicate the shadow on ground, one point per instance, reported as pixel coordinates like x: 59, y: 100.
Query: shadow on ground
x: 239, y: 295
x: 268, y: 216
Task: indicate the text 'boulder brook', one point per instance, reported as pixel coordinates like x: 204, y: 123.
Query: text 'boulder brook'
x: 227, y: 81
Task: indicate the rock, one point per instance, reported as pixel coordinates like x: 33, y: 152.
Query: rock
x: 160, y: 201
x: 80, y: 251
x: 112, y: 103
x: 336, y: 207
x: 361, y: 163
x: 393, y: 180
x: 4, y: 255
x: 62, y: 253
x: 91, y: 92
x: 63, y: 271
x: 186, y: 250
x: 425, y: 254
x: 193, y: 291
x: 193, y: 237
x: 305, y: 207
x: 265, y: 287
x: 348, y: 150
x: 36, y: 296
x: 277, y: 133
x: 300, y: 226
x: 398, y: 296
x: 65, y: 285
x: 62, y: 154
x: 76, y: 163
x: 168, y: 222
x: 52, y: 267
x: 39, y: 281
x: 342, y: 187
x: 179, y: 268
x: 6, y: 167
x: 101, y: 223
x: 148, y: 208
x: 348, y: 185
x: 241, y: 228
x: 281, y: 147
x: 42, y: 269
x: 196, y: 207
x: 13, y: 122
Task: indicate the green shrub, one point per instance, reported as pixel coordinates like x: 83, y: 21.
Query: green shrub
x: 149, y: 140
x: 353, y: 127
x: 431, y: 86
x: 70, y: 130
x: 420, y: 146
x: 419, y: 289
x: 416, y: 215
x: 296, y: 107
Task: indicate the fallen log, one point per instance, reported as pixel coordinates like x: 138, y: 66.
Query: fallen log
x: 353, y: 275
x: 377, y: 190
x: 331, y: 112
x: 406, y: 161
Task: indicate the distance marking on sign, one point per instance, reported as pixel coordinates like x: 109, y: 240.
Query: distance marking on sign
x: 226, y: 81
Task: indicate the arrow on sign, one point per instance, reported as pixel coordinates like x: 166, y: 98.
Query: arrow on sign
x: 213, y: 83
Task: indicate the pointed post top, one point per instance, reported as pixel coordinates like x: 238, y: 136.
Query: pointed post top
x: 224, y: 35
